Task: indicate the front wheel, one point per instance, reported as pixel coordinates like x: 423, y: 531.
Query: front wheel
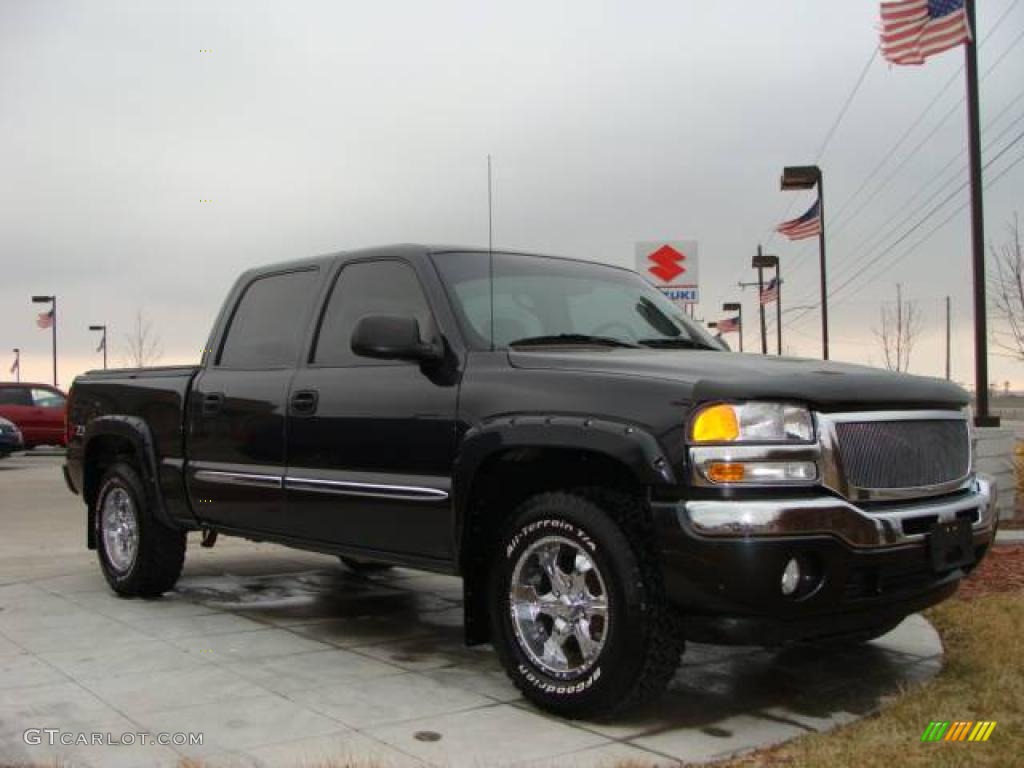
x: 579, y: 617
x: 139, y: 555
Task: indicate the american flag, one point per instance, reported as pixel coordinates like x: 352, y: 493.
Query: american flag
x: 808, y: 225
x: 728, y: 325
x: 913, y: 30
x: 770, y: 292
x: 45, y: 319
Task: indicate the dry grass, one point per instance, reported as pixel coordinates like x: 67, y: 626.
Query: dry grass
x: 983, y: 680
x: 1018, y: 462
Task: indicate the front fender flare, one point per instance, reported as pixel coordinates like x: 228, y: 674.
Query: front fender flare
x: 631, y: 445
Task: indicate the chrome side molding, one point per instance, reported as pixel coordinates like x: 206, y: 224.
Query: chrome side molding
x: 238, y: 478
x: 368, y: 490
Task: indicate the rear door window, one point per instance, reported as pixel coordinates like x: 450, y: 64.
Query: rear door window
x: 15, y: 396
x: 46, y: 398
x: 266, y: 328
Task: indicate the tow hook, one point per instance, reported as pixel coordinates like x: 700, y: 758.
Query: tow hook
x: 209, y: 538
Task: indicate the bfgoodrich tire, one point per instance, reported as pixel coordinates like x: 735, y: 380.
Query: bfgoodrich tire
x: 578, y: 613
x: 139, y: 555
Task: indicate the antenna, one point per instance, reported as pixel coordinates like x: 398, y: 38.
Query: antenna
x: 490, y: 245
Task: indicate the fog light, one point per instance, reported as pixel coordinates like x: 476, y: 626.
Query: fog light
x: 791, y: 576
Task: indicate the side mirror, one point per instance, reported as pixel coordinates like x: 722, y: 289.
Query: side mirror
x: 392, y: 337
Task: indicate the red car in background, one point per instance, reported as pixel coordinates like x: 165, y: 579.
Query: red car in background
x: 37, y: 409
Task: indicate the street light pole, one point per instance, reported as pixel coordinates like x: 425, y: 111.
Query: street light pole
x: 810, y: 177
x: 53, y: 327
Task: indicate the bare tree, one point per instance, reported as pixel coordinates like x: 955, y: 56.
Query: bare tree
x: 1007, y: 290
x: 901, y: 326
x: 142, y: 346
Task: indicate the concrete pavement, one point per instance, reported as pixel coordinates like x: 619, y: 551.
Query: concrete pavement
x: 282, y: 658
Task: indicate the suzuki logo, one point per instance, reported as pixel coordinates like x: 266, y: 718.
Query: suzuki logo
x: 666, y: 260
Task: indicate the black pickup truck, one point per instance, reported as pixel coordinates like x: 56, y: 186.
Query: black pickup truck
x: 607, y: 479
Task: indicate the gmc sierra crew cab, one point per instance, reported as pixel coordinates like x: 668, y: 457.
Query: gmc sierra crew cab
x: 606, y: 478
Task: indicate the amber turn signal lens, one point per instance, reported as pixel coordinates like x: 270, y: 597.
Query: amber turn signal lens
x: 715, y: 425
x: 723, y: 472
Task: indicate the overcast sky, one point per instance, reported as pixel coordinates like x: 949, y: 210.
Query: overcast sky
x: 314, y: 127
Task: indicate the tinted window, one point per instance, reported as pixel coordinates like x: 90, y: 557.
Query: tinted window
x: 369, y: 288
x: 536, y: 297
x: 266, y: 329
x: 46, y: 398
x: 14, y: 396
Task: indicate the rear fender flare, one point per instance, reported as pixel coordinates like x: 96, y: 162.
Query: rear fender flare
x: 137, y: 433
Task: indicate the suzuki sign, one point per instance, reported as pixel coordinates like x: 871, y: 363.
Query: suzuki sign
x: 671, y: 265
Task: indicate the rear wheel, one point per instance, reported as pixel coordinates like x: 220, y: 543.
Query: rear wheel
x: 579, y: 617
x: 139, y: 555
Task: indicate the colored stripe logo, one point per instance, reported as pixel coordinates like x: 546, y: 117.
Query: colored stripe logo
x: 959, y: 730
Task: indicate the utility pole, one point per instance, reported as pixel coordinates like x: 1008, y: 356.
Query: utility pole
x: 947, y: 338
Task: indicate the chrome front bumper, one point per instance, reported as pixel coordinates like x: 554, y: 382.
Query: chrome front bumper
x: 881, y: 526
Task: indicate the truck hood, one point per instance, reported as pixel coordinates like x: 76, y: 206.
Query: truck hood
x: 711, y: 375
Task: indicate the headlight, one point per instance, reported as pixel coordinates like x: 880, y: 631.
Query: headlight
x: 752, y: 422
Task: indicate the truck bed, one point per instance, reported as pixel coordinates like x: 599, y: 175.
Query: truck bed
x: 156, y: 397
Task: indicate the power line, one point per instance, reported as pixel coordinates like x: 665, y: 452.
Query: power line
x: 837, y: 222
x: 882, y: 232
x: 831, y: 132
x: 924, y: 220
x: 874, y: 239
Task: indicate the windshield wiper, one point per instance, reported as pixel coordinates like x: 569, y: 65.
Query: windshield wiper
x: 674, y: 342
x: 570, y: 338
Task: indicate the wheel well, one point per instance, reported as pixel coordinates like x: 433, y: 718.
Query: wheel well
x: 500, y: 485
x: 101, y: 453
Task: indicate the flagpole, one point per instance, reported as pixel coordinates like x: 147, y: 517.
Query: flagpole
x: 778, y: 304
x: 760, y: 304
x: 54, y: 328
x: 982, y: 417
x: 822, y: 260
x: 52, y: 301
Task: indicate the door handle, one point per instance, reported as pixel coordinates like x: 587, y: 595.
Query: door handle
x: 304, y: 402
x: 212, y: 403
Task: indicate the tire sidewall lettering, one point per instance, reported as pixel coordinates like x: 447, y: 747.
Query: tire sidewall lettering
x: 560, y: 690
x: 548, y: 525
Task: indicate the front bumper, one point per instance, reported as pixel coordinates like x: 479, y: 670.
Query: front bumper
x: 722, y: 561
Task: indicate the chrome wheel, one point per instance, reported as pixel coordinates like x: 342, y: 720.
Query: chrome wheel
x: 119, y: 525
x: 559, y: 606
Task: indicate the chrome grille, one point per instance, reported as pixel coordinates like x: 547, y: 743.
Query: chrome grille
x: 903, y: 454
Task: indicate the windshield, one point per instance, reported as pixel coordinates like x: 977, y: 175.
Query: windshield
x: 541, y: 300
